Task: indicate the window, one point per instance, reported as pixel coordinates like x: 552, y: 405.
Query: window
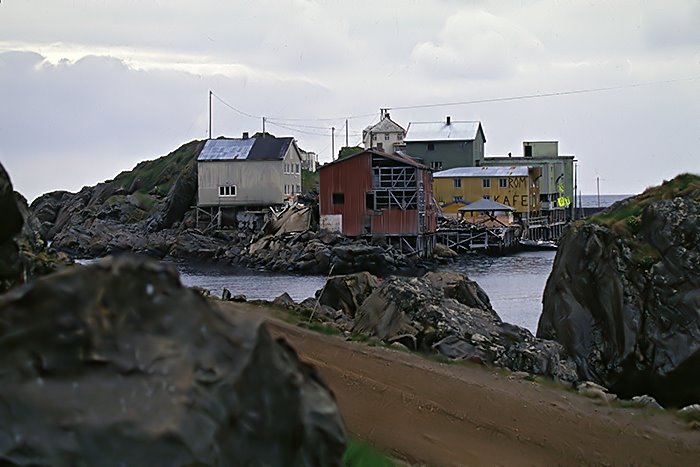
x: 457, y: 198
x: 487, y: 197
x: 457, y: 182
x: 369, y: 201
x: 338, y: 198
x: 380, y: 145
x: 227, y: 190
x: 386, y: 137
x: 374, y: 137
x: 431, y: 146
x: 298, y: 188
x: 298, y: 168
x: 486, y: 182
x: 400, y: 136
x: 502, y: 183
x: 436, y: 165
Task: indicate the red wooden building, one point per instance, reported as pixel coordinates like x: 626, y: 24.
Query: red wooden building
x: 375, y: 194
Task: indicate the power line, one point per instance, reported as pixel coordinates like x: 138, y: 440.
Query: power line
x: 537, y: 96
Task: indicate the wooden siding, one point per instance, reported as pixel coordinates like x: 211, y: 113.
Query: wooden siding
x: 353, y: 178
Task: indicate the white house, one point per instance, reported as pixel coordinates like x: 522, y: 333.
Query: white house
x: 248, y: 171
x: 387, y: 135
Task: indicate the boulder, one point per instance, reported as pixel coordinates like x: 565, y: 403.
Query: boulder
x: 625, y: 305
x: 348, y: 292
x: 449, y: 314
x: 117, y: 364
x: 284, y: 301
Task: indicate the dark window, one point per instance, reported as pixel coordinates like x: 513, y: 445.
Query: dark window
x: 386, y: 137
x: 431, y: 147
x: 487, y: 197
x: 457, y: 182
x: 369, y: 201
x: 502, y: 183
x: 528, y: 151
x: 486, y: 183
x: 338, y: 198
x: 436, y: 165
x: 380, y: 146
x: 457, y: 198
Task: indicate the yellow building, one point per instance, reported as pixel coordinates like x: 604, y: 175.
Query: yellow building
x: 513, y: 186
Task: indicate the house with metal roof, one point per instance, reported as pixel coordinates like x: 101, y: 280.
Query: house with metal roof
x: 514, y: 186
x: 250, y: 172
x: 446, y: 144
x: 387, y: 135
x: 376, y: 194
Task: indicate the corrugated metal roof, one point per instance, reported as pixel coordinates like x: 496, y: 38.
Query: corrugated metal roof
x: 486, y: 205
x: 513, y: 171
x: 226, y: 149
x: 268, y: 148
x: 402, y: 158
x: 440, y: 131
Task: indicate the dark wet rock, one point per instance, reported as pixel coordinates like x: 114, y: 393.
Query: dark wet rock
x: 625, y: 305
x: 239, y: 298
x: 181, y: 197
x: 226, y: 294
x: 348, y: 292
x: 117, y: 364
x: 450, y: 314
x: 23, y: 253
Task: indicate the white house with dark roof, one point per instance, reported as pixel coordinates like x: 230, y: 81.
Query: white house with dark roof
x: 447, y: 144
x: 387, y: 135
x: 248, y: 171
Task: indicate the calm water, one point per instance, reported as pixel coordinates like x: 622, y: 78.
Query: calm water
x: 514, y: 283
x: 591, y: 201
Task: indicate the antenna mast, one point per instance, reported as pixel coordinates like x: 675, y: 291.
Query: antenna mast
x: 210, y: 94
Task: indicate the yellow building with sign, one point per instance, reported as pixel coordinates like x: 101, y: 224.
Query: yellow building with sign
x: 513, y: 186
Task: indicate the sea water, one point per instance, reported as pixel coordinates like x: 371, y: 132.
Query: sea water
x: 514, y: 283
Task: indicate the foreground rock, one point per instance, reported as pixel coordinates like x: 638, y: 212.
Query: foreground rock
x: 117, y: 364
x: 624, y: 295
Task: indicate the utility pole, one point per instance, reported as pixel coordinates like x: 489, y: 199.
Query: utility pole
x: 346, y: 133
x: 210, y: 94
x: 597, y: 181
x: 332, y: 143
x: 263, y: 127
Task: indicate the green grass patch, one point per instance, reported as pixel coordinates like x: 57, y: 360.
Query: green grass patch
x: 309, y: 180
x: 624, y: 217
x: 157, y: 176
x: 360, y: 454
x: 320, y: 328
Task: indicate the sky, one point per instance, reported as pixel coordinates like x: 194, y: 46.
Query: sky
x: 89, y: 88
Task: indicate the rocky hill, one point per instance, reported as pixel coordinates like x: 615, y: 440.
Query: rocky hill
x: 149, y: 210
x: 623, y: 297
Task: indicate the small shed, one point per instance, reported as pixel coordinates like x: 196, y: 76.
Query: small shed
x: 488, y: 213
x: 377, y: 194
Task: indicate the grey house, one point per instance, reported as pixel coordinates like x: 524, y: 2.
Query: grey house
x: 446, y: 145
x: 250, y: 172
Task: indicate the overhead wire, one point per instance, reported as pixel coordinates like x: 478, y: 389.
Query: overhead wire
x: 540, y: 95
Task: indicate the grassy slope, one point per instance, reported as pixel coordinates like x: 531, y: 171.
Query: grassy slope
x: 157, y: 176
x: 624, y: 217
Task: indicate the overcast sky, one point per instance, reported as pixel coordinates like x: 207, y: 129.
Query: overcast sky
x: 89, y: 88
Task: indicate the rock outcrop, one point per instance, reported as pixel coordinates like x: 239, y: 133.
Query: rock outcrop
x: 624, y: 295
x: 23, y: 254
x: 443, y: 313
x: 11, y: 225
x: 117, y: 364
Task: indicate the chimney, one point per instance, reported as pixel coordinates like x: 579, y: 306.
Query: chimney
x: 386, y: 115
x: 245, y: 135
x: 448, y: 120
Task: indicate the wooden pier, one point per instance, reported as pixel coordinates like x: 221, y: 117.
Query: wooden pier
x: 496, y: 240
